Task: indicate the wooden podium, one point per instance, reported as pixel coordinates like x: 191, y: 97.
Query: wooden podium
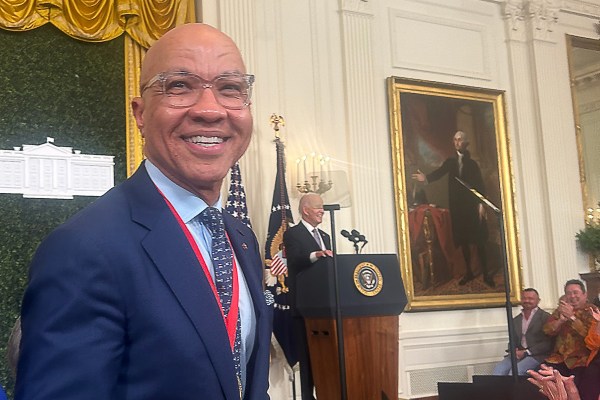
x: 371, y: 298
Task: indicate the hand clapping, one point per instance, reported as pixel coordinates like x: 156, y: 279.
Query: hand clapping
x: 553, y: 385
x: 595, y: 313
x: 565, y: 309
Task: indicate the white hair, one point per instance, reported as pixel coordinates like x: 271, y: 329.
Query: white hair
x: 464, y: 136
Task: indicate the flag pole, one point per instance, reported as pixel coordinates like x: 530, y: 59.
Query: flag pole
x: 279, y: 219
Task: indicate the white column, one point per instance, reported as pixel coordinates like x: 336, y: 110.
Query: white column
x: 542, y: 145
x: 364, y: 141
x: 236, y: 18
x: 528, y: 150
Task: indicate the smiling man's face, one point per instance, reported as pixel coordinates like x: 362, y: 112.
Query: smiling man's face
x: 529, y: 300
x: 575, y: 296
x: 193, y: 146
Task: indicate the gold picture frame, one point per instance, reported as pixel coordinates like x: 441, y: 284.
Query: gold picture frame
x: 441, y: 222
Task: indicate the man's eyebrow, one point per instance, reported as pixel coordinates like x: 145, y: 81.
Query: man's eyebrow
x: 230, y: 72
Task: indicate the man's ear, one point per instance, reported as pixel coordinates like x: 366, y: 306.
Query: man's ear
x: 137, y: 107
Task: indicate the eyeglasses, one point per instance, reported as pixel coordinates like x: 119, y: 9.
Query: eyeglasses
x: 183, y: 89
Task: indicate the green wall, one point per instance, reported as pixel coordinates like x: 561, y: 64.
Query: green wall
x: 52, y: 85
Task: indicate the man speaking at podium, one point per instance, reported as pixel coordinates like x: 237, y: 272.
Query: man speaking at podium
x: 304, y: 244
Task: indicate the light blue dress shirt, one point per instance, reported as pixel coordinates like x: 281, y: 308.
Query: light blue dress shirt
x: 188, y: 206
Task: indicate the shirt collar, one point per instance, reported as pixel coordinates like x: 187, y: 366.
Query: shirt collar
x: 532, y: 312
x: 308, y: 226
x: 187, y: 204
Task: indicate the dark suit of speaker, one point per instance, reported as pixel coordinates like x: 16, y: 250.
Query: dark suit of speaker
x: 299, y: 243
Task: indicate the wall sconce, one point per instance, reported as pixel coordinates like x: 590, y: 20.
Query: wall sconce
x: 318, y: 170
x: 593, y: 215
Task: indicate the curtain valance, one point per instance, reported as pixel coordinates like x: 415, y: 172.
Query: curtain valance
x: 99, y: 20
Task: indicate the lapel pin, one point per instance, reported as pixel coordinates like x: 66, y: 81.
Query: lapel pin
x: 244, y: 246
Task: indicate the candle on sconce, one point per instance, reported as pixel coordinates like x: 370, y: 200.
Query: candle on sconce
x: 313, y: 163
x: 298, y: 171
x: 304, y: 166
x: 327, y: 159
x: 321, y: 162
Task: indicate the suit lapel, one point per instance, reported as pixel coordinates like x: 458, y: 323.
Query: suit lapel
x: 325, y: 238
x: 245, y: 252
x: 308, y: 238
x: 519, y: 328
x: 536, y: 320
x: 171, y: 253
x: 245, y: 249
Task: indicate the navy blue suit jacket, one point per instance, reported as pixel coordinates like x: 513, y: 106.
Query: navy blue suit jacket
x: 118, y: 308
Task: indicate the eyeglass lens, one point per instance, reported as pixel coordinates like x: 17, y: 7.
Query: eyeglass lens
x: 184, y: 90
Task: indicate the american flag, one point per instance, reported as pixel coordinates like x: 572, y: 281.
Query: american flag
x: 236, y: 200
x: 278, y: 264
x: 279, y: 220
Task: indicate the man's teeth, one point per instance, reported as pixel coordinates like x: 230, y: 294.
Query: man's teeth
x: 205, y: 141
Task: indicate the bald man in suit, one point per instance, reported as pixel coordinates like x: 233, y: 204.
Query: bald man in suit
x: 304, y: 244
x: 152, y: 291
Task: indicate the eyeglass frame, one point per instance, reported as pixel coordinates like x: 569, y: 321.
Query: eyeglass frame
x: 162, y: 77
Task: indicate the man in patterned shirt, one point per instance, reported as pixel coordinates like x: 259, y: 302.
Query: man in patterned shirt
x: 570, y: 323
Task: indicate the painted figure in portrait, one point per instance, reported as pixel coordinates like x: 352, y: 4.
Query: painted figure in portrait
x: 450, y: 148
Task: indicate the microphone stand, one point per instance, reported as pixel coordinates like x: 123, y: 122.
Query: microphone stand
x: 364, y: 243
x: 508, y: 305
x: 338, y: 312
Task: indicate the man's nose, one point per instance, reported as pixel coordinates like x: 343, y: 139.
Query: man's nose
x: 208, y: 105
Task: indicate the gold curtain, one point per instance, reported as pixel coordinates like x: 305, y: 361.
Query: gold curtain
x: 99, y: 20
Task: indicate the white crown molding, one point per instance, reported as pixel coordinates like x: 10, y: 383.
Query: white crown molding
x: 540, y: 16
x: 583, y: 8
x: 580, y: 7
x: 543, y: 16
x: 356, y: 6
x: 515, y: 12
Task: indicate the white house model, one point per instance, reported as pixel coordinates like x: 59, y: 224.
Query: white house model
x: 52, y: 172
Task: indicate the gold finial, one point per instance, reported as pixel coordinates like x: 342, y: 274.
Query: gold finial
x: 277, y: 121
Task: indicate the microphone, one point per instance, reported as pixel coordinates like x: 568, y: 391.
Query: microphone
x: 357, y: 237
x: 352, y: 236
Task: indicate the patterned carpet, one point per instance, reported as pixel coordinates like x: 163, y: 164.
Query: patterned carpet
x: 453, y: 288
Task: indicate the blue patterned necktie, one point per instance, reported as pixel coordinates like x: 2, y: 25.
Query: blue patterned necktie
x: 222, y: 258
